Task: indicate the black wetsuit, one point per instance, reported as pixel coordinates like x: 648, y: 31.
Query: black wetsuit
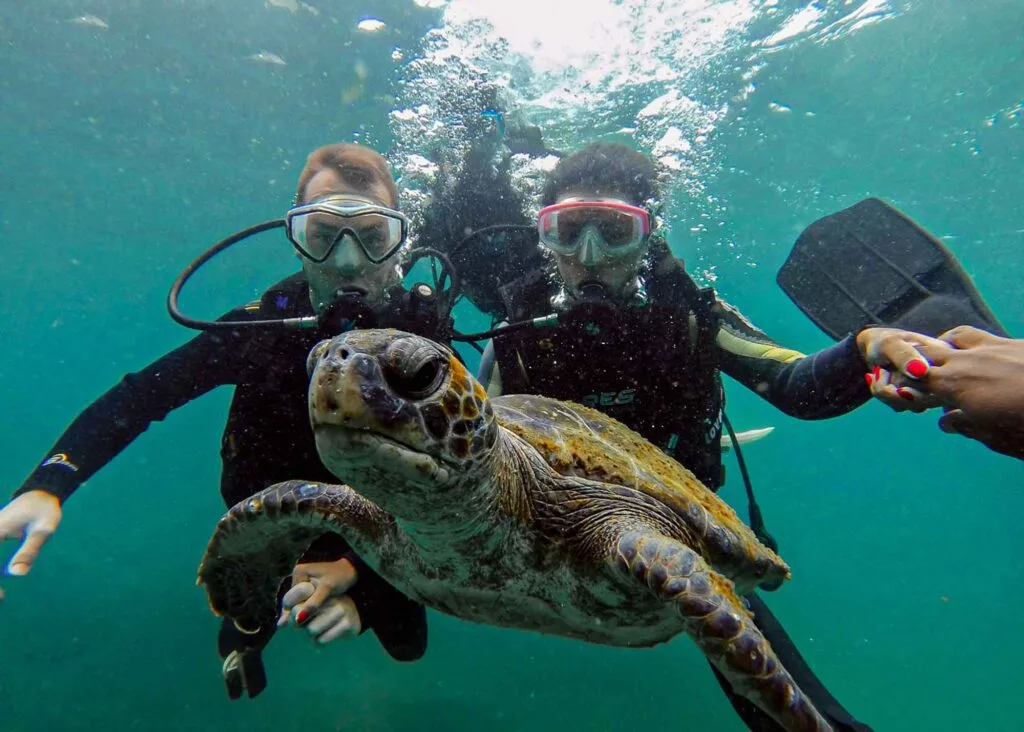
x: 267, y: 438
x: 657, y: 368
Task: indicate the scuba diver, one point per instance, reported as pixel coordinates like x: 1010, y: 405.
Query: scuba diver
x: 612, y: 320
x: 350, y: 240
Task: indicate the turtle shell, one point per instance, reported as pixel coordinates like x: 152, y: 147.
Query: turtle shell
x: 579, y: 441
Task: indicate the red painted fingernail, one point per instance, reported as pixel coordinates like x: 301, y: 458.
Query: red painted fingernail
x: 878, y: 372
x: 917, y: 369
x: 905, y: 393
x: 868, y: 379
x: 301, y: 617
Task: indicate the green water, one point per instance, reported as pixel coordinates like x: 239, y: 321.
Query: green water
x: 126, y: 150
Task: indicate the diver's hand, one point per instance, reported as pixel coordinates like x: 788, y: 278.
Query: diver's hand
x: 317, y: 600
x: 31, y: 517
x: 895, y: 350
x: 897, y: 364
x: 979, y: 377
x: 893, y: 391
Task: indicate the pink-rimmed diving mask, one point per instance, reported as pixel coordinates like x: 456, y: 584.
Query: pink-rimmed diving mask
x: 616, y: 228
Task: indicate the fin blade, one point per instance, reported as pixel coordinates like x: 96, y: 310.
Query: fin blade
x: 870, y: 264
x: 745, y: 437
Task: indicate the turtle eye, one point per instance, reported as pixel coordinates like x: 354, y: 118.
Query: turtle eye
x: 315, y: 354
x: 416, y: 374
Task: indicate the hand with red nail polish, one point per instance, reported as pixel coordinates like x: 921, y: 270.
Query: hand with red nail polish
x: 979, y: 378
x: 895, y: 350
x: 917, y: 368
x: 317, y: 600
x: 898, y: 364
x: 892, y: 390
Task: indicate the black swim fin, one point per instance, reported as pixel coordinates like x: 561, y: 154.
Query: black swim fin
x: 870, y: 264
x: 243, y: 662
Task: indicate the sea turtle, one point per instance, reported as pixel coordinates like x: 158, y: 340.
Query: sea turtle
x: 519, y: 511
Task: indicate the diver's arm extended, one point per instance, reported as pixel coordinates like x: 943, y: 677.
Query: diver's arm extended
x: 816, y: 386
x: 114, y: 420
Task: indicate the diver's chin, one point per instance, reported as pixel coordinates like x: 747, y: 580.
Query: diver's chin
x: 353, y: 454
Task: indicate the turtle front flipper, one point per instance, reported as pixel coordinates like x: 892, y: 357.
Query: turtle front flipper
x: 716, y: 619
x: 258, y: 542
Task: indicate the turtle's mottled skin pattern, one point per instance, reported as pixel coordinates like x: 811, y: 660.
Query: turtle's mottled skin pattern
x: 521, y: 512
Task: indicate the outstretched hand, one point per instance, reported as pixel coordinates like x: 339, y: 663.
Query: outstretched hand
x: 32, y: 517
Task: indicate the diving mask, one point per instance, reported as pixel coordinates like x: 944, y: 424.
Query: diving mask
x: 613, y: 227
x: 315, y: 229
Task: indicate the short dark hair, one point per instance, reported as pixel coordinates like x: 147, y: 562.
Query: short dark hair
x: 357, y: 165
x: 605, y: 167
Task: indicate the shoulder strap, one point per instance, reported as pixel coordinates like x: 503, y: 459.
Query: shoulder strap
x: 424, y: 315
x: 287, y: 298
x: 673, y: 283
x: 523, y: 296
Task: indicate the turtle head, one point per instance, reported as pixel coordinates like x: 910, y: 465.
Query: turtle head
x: 399, y: 418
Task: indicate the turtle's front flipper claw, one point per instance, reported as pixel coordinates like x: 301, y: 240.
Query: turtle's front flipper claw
x: 715, y: 617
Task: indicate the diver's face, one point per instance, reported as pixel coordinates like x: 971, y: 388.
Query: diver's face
x: 347, y: 267
x: 590, y: 263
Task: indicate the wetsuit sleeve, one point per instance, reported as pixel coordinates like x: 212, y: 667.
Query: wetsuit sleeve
x: 115, y: 419
x: 816, y: 386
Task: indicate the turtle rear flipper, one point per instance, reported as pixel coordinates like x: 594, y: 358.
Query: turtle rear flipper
x: 719, y: 623
x: 258, y: 542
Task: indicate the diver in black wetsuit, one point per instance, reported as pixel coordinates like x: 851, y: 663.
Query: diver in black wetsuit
x: 636, y: 338
x: 349, y: 237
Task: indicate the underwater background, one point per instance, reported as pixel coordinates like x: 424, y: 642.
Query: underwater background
x: 135, y: 134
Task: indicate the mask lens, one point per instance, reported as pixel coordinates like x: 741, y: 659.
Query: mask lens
x: 314, y: 234
x: 571, y: 224
x: 618, y: 229
x: 379, y: 235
